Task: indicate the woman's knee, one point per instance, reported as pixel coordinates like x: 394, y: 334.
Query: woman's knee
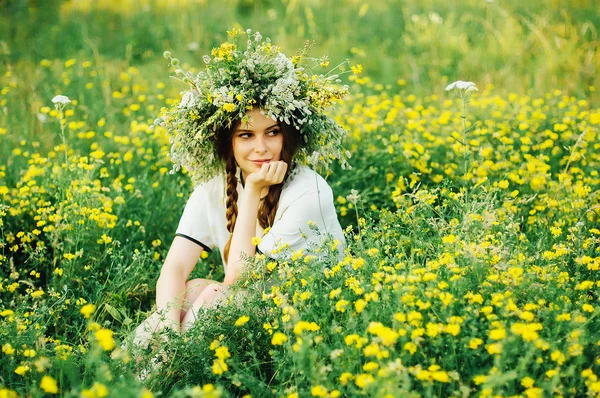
x: 197, y: 285
x: 209, y: 297
x: 212, y: 295
x: 193, y: 289
x: 212, y: 292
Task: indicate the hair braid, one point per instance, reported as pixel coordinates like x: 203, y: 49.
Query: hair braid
x: 268, y: 207
x: 232, y: 197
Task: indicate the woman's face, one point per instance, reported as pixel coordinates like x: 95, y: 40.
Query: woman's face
x: 258, y: 141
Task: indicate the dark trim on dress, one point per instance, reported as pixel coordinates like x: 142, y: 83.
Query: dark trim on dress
x: 208, y: 249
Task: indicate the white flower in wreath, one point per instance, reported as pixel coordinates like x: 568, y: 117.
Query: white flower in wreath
x: 187, y: 100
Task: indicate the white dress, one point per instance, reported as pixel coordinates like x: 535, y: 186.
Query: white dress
x: 305, y: 199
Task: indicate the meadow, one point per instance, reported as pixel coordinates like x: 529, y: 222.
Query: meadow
x: 472, y: 221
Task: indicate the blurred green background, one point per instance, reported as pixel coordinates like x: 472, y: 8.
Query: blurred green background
x: 518, y: 46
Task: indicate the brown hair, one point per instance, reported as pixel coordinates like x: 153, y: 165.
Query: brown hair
x: 268, y: 206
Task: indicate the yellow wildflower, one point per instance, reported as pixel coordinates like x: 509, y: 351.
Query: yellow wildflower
x: 364, y: 379
x: 449, y: 239
x: 318, y: 391
x: 22, y: 369
x: 452, y: 329
x: 527, y: 382
x: 219, y: 367
x: 345, y: 377
x: 8, y: 349
x: 440, y: 376
x: 495, y: 348
x: 341, y: 305
x: 48, y: 384
x: 279, y: 338
x: 29, y: 353
x: 105, y: 339
x: 356, y: 69
x: 98, y: 390
x: 87, y: 310
x: 242, y: 320
x: 497, y: 334
x: 479, y: 379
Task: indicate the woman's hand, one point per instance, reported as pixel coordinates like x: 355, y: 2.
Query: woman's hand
x: 271, y: 173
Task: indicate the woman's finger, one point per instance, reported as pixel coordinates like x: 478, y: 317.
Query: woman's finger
x: 273, y: 166
x: 269, y: 173
x: 280, y: 172
x: 264, y: 170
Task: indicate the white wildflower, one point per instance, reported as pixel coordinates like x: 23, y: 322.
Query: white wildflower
x: 462, y: 86
x: 336, y: 353
x: 353, y: 197
x: 61, y: 99
x: 436, y: 18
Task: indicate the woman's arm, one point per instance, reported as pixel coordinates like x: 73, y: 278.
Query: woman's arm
x: 245, y: 226
x: 170, y: 287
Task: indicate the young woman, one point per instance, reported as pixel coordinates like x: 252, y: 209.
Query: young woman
x: 242, y: 131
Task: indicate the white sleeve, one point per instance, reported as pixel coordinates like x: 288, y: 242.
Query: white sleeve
x: 292, y: 228
x: 194, y: 223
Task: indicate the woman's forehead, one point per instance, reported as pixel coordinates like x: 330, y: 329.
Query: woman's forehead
x: 256, y: 121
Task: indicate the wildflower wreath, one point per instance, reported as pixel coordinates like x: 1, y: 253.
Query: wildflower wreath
x: 233, y: 82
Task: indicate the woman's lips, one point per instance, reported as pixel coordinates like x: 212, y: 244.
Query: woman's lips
x: 261, y: 161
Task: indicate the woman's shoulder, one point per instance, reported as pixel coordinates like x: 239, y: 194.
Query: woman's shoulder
x: 211, y: 187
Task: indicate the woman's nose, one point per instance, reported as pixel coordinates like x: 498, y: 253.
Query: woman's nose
x: 259, y: 144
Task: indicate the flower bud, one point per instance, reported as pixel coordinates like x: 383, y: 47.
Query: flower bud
x: 174, y: 61
x: 167, y: 54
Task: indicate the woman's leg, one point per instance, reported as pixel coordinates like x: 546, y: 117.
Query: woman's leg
x: 193, y: 289
x: 143, y: 333
x: 210, y: 296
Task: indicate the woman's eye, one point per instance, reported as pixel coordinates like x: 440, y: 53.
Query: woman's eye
x: 273, y: 132
x: 244, y: 135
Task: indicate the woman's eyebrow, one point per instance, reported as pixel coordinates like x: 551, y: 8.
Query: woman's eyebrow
x: 251, y: 131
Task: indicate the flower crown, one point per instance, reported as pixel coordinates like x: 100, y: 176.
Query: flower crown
x: 235, y: 81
